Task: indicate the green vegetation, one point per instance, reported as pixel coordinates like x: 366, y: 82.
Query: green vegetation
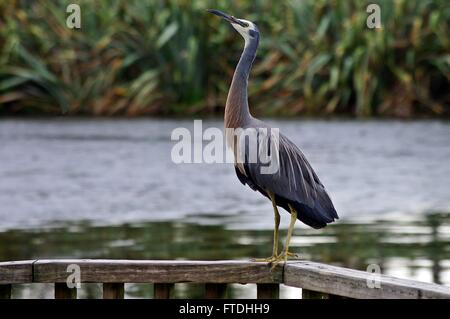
x: 135, y: 57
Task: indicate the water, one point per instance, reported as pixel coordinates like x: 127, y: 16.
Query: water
x: 108, y: 189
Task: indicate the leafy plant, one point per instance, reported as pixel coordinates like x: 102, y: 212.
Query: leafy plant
x: 169, y: 57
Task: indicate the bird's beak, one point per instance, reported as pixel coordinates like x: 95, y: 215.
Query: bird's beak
x: 227, y: 17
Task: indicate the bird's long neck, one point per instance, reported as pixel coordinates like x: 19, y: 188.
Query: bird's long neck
x: 236, y: 109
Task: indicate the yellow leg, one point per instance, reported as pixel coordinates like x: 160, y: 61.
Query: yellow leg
x: 286, y: 252
x: 277, y: 226
x: 275, y: 232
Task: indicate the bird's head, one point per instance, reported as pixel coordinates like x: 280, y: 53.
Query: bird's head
x: 247, y: 29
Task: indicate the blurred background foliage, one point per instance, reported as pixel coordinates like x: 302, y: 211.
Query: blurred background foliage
x: 135, y: 57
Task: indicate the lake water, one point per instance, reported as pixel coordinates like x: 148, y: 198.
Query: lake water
x: 108, y: 189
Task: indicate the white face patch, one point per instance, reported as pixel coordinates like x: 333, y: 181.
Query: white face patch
x: 244, y: 31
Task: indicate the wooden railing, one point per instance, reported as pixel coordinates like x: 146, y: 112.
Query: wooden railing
x: 316, y: 280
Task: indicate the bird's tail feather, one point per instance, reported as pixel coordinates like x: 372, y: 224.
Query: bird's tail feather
x: 316, y: 217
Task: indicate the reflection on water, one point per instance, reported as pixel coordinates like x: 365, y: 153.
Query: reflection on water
x: 416, y: 249
x: 108, y: 189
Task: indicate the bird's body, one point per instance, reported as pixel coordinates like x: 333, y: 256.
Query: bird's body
x: 294, y: 186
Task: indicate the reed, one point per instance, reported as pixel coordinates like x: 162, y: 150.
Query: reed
x: 134, y: 57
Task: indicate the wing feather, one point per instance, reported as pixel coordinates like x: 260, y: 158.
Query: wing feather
x: 295, y: 183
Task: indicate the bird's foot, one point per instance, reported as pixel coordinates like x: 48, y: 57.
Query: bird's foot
x: 275, y: 260
x: 293, y: 255
x: 283, y: 257
x: 270, y: 259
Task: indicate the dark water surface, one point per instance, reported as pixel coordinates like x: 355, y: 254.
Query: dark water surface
x: 108, y: 189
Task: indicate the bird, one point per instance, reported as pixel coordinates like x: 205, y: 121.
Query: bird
x: 293, y: 186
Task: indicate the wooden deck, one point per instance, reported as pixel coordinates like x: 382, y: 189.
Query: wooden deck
x: 316, y: 280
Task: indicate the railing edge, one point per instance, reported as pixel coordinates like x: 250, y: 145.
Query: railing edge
x: 359, y: 284
x: 16, y: 272
x: 158, y: 271
x: 309, y: 275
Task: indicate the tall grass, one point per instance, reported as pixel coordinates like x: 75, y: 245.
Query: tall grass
x: 134, y: 57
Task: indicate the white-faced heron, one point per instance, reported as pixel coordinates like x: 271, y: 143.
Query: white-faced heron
x: 294, y: 186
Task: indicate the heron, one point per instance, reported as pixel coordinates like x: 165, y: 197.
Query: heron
x: 295, y: 186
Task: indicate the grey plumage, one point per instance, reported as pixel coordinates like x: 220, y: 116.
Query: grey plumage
x: 295, y: 184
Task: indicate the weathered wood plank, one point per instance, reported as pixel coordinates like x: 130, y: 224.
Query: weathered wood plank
x: 64, y: 292
x: 113, y: 290
x: 16, y: 272
x: 330, y: 280
x: 268, y: 291
x: 353, y: 283
x: 5, y: 291
x: 215, y: 291
x: 163, y: 290
x: 142, y: 271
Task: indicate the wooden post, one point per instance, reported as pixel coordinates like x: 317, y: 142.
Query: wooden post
x: 310, y: 294
x: 163, y: 291
x: 215, y: 291
x: 64, y: 292
x: 5, y: 291
x: 268, y: 291
x: 113, y: 290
